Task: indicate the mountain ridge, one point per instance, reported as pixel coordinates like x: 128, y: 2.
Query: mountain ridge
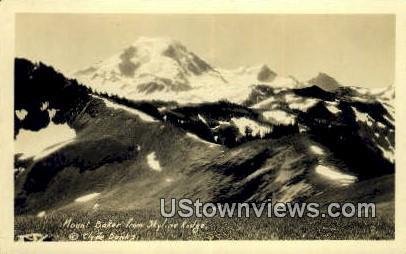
x: 230, y: 151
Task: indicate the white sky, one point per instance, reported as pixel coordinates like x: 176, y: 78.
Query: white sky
x: 355, y: 49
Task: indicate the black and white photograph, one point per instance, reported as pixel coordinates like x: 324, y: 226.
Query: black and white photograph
x: 204, y: 127
x: 184, y: 127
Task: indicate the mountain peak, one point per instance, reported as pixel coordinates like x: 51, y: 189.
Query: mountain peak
x: 325, y: 82
x: 265, y: 74
x: 147, y: 49
x: 150, y: 65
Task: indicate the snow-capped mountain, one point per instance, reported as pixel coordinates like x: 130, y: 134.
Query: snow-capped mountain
x: 164, y: 69
x: 150, y: 65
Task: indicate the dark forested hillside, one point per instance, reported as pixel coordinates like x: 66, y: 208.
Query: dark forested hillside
x: 39, y: 87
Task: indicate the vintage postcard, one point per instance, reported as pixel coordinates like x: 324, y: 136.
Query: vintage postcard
x: 135, y: 126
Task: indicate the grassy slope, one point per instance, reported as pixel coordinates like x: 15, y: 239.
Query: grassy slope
x: 196, y: 169
x: 215, y: 228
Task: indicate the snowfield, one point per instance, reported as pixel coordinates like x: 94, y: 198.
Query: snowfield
x: 39, y: 144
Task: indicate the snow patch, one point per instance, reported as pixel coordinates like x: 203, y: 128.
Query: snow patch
x: 44, y: 106
x: 332, y: 107
x: 264, y: 103
x: 289, y: 98
x: 279, y: 117
x: 362, y: 117
x: 381, y: 125
x: 281, y: 81
x: 153, y: 162
x: 87, y: 197
x: 362, y: 90
x: 387, y: 153
x: 316, y: 150
x: 21, y: 114
x: 257, y: 129
x: 52, y: 113
x: 202, y: 119
x: 298, y: 103
x: 51, y: 149
x: 388, y: 119
x: 279, y: 90
x: 257, y: 173
x: 303, y: 105
x: 303, y: 128
x: 335, y: 175
x: 18, y: 171
x: 41, y: 214
x: 39, y: 144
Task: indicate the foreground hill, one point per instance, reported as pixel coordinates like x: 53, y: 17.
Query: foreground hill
x: 110, y: 154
